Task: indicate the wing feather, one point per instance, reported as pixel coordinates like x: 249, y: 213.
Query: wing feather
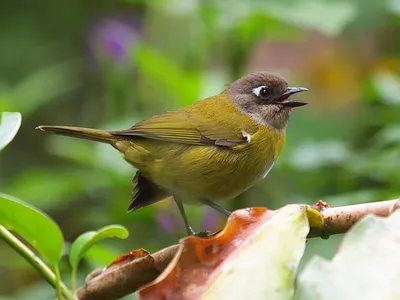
x: 195, y: 126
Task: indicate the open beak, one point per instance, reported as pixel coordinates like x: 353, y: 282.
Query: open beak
x: 285, y: 98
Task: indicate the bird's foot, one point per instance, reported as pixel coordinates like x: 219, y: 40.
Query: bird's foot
x: 204, y: 234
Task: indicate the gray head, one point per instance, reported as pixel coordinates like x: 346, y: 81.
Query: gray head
x: 265, y: 97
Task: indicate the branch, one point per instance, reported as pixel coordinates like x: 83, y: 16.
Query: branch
x: 340, y: 219
x: 130, y: 272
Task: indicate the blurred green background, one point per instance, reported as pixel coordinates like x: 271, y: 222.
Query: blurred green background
x: 109, y: 64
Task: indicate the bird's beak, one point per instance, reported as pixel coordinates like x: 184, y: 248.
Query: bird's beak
x: 285, y: 100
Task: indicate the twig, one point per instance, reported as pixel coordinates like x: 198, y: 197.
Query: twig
x: 113, y: 283
x: 340, y: 219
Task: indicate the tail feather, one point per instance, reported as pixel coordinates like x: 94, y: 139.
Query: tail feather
x: 82, y: 133
x: 145, y: 193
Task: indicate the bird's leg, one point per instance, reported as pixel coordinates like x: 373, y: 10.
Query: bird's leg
x: 216, y: 207
x: 189, y: 229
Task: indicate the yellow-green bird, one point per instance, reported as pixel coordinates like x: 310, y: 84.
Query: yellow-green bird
x: 211, y: 150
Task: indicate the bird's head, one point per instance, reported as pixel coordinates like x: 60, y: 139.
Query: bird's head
x: 265, y: 97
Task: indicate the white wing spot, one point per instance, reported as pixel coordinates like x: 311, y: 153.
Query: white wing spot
x: 247, y: 136
x: 256, y: 91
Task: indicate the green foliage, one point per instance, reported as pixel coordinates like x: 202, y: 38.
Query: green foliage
x: 86, y: 240
x: 40, y: 230
x: 34, y: 226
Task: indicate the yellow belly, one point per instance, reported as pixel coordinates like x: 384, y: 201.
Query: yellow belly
x: 211, y: 173
x: 204, y: 172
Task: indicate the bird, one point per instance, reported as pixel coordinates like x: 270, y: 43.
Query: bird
x: 211, y: 150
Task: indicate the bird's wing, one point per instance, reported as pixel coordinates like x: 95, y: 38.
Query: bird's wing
x: 184, y: 127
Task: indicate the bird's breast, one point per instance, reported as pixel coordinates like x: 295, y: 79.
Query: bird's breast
x: 265, y: 149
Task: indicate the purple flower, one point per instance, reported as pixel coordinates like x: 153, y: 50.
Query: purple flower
x: 112, y: 39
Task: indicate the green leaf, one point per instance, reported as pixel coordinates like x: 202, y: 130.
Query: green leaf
x: 34, y: 226
x: 365, y: 267
x: 10, y: 123
x: 88, y: 239
x: 101, y: 255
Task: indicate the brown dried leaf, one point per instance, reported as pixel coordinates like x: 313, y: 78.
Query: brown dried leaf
x: 126, y: 274
x: 201, y: 262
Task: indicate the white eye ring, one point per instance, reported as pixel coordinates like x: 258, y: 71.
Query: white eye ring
x: 256, y: 91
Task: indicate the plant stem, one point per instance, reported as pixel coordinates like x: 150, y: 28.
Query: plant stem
x: 35, y: 261
x: 58, y: 282
x: 73, y: 279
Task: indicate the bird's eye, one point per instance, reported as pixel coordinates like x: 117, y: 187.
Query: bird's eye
x: 262, y: 91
